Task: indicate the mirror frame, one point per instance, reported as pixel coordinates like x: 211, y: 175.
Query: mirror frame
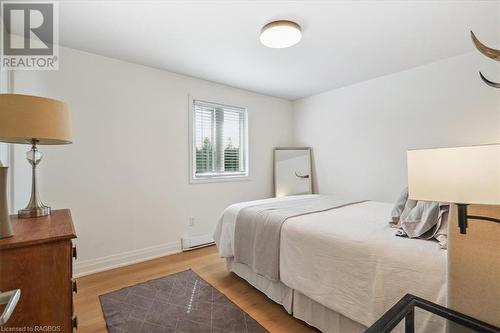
x: 293, y: 148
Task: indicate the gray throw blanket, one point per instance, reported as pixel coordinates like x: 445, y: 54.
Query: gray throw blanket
x: 258, y: 230
x: 420, y: 219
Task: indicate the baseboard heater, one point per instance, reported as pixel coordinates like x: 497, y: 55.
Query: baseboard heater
x: 196, y: 242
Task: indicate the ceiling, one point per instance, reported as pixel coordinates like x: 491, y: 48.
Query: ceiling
x: 343, y: 42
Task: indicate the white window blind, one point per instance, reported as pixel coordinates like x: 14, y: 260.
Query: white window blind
x: 219, y: 141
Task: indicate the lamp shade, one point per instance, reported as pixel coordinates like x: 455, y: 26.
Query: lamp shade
x: 24, y: 118
x: 464, y: 175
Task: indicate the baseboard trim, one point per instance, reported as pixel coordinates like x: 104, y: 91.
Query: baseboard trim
x: 91, y: 266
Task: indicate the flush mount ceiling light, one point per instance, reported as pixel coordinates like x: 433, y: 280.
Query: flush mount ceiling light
x: 280, y: 34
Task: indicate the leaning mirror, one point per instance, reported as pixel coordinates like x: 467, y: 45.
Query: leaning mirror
x: 292, y: 171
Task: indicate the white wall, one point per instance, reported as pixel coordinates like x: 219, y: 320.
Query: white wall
x: 6, y: 149
x: 3, y: 89
x: 126, y: 177
x: 3, y: 154
x: 360, y: 133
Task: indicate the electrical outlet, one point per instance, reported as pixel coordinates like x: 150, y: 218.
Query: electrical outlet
x: 192, y: 221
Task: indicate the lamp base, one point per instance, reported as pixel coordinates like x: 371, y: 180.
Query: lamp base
x: 35, y: 207
x: 33, y: 212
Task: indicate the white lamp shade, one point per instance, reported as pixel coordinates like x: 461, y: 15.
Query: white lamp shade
x: 466, y: 175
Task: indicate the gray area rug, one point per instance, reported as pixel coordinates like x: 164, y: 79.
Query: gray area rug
x: 177, y: 303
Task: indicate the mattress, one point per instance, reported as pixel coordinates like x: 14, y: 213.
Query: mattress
x: 349, y: 261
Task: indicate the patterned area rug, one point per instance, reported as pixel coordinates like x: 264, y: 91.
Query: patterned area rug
x: 177, y: 303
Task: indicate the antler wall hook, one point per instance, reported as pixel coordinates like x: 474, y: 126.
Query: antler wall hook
x: 490, y: 53
x: 487, y: 51
x: 488, y: 82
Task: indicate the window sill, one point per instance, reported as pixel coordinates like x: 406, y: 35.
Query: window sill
x: 219, y: 179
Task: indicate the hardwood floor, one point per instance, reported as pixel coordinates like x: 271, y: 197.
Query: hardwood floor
x: 207, y: 264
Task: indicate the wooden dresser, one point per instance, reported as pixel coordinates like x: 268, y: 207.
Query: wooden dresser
x: 38, y: 259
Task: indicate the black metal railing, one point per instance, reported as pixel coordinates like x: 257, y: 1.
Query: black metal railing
x: 405, y: 309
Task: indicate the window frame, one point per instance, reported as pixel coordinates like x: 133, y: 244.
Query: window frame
x: 216, y: 177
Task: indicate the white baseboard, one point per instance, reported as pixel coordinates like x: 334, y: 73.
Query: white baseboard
x: 86, y: 267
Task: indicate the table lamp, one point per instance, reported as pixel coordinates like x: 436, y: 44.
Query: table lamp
x: 460, y: 175
x: 36, y: 121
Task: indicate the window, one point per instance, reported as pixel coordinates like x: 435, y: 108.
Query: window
x: 219, y: 141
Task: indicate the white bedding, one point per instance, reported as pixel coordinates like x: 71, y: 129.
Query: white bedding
x: 348, y: 260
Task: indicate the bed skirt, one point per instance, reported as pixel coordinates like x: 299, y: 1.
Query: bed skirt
x: 297, y: 304
x: 323, y: 318
x: 275, y: 290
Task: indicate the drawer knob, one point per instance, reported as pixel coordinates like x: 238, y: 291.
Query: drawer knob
x: 74, y: 322
x: 74, y: 253
x: 74, y: 287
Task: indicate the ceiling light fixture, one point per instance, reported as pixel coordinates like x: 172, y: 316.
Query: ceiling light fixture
x: 280, y: 34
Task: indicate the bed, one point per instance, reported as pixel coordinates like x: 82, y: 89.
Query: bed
x: 340, y: 269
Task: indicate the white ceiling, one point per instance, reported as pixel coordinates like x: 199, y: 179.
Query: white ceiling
x: 343, y: 42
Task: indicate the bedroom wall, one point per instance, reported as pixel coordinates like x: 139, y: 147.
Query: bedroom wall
x: 3, y: 89
x: 126, y: 177
x: 3, y: 154
x: 360, y: 133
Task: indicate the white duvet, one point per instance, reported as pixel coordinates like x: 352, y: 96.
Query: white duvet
x: 348, y: 260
